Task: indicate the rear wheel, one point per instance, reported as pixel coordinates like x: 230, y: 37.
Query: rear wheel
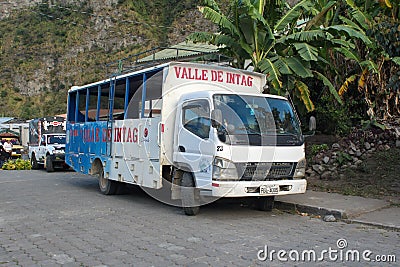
x: 49, y: 164
x: 190, y: 195
x: 265, y: 203
x: 107, y: 186
x: 34, y: 163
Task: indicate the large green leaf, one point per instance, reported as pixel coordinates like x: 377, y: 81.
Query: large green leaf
x: 306, y: 51
x: 219, y: 19
x: 307, y: 36
x: 252, y: 11
x: 266, y: 41
x: 396, y: 60
x: 370, y: 65
x: 281, y: 65
x: 350, y: 23
x: 212, y: 4
x: 352, y: 32
x: 248, y: 31
x: 347, y: 53
x: 314, y: 21
x: 330, y: 86
x: 362, y: 18
x: 323, y: 60
x: 298, y: 68
x: 266, y: 37
x: 302, y: 88
x: 226, y: 42
x: 292, y: 15
x: 267, y: 66
x: 343, y: 43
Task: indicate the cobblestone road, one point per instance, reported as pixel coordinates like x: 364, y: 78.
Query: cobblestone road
x: 60, y: 219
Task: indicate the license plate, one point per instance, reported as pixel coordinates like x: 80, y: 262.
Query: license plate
x: 269, y: 189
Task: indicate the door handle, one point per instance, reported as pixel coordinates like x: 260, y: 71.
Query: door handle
x: 159, y: 132
x: 182, y: 149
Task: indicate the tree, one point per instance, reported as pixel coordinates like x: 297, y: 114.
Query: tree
x: 377, y: 79
x: 288, y: 46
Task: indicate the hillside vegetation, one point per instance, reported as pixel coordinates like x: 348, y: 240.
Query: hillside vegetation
x: 45, y: 49
x: 343, y: 64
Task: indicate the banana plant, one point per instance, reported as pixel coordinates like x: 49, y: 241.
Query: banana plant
x: 379, y: 67
x: 286, y: 48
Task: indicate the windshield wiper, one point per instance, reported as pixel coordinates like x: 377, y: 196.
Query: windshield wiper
x: 296, y: 136
x: 249, y: 130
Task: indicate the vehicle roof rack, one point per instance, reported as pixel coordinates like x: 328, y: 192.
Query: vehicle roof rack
x: 160, y: 55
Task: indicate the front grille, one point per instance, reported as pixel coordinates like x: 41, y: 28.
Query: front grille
x: 255, y: 171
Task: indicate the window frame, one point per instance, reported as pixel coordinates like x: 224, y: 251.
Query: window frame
x: 186, y: 106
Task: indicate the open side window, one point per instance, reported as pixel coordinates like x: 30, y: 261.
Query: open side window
x: 196, y: 118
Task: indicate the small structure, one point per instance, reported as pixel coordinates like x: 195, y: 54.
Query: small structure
x: 7, y: 133
x: 16, y: 126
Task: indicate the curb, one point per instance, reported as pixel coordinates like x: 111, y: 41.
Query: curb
x: 286, y: 206
x: 339, y: 214
x: 379, y: 225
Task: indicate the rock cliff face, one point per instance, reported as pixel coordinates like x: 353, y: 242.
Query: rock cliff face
x: 7, y: 7
x: 47, y: 46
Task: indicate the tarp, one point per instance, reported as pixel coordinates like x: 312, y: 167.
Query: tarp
x: 7, y: 133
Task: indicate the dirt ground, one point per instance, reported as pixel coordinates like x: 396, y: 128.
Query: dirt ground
x: 377, y: 177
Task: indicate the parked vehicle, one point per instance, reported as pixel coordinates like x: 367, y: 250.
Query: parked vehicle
x: 204, y: 131
x: 47, y: 143
x: 17, y: 149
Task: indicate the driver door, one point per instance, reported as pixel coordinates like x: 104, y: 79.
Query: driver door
x: 195, y: 149
x: 42, y: 148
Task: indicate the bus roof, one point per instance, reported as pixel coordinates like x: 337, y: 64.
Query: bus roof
x: 156, y: 69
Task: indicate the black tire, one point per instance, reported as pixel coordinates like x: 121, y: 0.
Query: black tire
x: 190, y: 195
x: 49, y: 164
x: 107, y: 186
x: 34, y: 164
x: 121, y: 188
x: 265, y: 203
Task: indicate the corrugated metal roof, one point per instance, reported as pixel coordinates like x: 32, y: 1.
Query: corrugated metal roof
x: 5, y: 119
x: 182, y: 50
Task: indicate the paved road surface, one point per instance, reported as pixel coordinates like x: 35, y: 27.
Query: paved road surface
x: 60, y: 219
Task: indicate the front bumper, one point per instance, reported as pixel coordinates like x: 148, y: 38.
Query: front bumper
x: 16, y: 154
x: 58, y: 157
x: 252, y: 188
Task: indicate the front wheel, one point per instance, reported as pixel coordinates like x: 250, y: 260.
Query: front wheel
x: 34, y: 163
x: 265, y: 203
x: 190, y: 195
x: 107, y: 186
x: 49, y: 164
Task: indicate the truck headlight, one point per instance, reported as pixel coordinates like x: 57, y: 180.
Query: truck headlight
x: 224, y: 170
x: 300, y: 171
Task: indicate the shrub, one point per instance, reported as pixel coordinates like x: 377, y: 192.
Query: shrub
x: 18, y: 164
x: 315, y: 149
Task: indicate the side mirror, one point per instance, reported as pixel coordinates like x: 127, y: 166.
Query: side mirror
x: 312, y: 124
x: 216, y: 118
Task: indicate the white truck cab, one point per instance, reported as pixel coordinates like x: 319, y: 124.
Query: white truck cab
x: 239, y: 145
x: 47, y: 143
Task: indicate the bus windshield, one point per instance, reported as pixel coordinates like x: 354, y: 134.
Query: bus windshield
x: 257, y: 120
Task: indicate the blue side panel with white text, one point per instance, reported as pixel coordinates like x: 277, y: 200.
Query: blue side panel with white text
x: 87, y: 141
